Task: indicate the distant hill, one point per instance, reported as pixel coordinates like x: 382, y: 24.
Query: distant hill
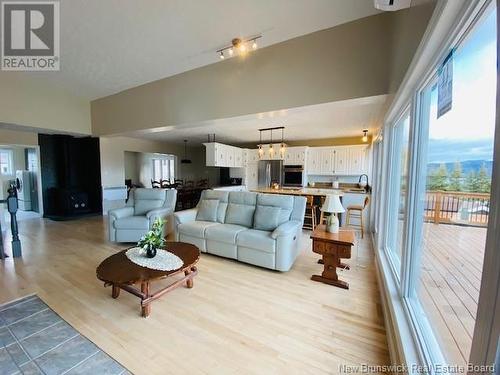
x: 467, y: 166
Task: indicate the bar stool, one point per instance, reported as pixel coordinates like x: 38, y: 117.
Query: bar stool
x: 356, y: 212
x: 310, y: 214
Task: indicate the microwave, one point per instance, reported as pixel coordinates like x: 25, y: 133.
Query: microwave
x: 293, y: 176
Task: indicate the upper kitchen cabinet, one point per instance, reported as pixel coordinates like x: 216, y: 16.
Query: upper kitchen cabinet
x: 221, y: 155
x: 340, y: 160
x: 358, y: 163
x: 295, y: 156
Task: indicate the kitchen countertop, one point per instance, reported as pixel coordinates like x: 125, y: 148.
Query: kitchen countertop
x: 321, y: 191
x: 300, y: 191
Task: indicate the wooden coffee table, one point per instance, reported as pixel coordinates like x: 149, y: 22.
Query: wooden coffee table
x: 121, y: 273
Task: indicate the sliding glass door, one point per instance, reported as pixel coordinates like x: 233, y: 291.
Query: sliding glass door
x: 452, y: 177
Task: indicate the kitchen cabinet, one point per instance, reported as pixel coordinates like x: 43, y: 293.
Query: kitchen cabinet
x: 221, y: 155
x: 313, y: 161
x: 295, y: 156
x: 338, y: 160
x: 251, y: 175
x: 341, y: 164
x: 357, y: 160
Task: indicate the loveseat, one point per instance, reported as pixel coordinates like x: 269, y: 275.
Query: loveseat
x: 260, y: 229
x: 130, y: 223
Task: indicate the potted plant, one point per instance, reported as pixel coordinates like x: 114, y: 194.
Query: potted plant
x: 153, y: 240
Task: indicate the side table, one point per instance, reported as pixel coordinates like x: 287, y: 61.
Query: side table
x: 332, y: 247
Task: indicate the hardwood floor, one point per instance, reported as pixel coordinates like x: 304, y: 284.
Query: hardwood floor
x: 237, y: 318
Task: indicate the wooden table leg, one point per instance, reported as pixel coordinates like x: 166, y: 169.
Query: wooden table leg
x: 115, y: 291
x: 329, y: 274
x: 189, y: 282
x: 146, y: 309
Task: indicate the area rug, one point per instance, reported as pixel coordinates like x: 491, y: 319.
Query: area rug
x: 35, y: 340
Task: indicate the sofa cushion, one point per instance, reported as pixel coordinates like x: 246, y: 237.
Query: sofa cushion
x: 132, y: 222
x: 207, y: 210
x: 143, y: 206
x: 195, y: 228
x: 220, y: 195
x: 284, y: 202
x: 239, y: 214
x: 257, y: 239
x: 243, y: 197
x: 221, y: 212
x: 224, y: 232
x: 266, y: 217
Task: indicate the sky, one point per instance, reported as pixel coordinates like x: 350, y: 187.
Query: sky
x: 466, y: 132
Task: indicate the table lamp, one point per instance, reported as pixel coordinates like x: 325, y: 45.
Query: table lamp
x: 333, y: 206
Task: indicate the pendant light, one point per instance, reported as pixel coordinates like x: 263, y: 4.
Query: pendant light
x: 282, y: 147
x: 261, y: 150
x: 185, y: 160
x: 271, y: 149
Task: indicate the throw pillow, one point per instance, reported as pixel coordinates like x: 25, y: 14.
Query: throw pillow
x: 266, y: 218
x: 207, y: 210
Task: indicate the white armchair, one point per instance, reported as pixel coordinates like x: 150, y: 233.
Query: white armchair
x: 130, y: 223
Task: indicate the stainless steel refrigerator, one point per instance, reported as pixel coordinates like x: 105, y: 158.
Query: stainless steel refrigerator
x: 270, y: 171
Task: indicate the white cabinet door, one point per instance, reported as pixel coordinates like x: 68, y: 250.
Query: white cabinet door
x: 327, y: 157
x: 252, y: 156
x: 230, y: 156
x: 357, y: 160
x: 290, y: 158
x: 313, y: 161
x: 341, y: 165
x: 251, y: 176
x: 239, y: 159
x: 300, y: 156
x: 221, y: 155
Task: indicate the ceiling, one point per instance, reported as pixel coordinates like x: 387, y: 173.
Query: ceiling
x: 344, y: 118
x: 109, y: 46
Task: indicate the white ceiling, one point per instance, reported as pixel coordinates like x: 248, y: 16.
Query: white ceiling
x: 331, y: 120
x: 109, y: 46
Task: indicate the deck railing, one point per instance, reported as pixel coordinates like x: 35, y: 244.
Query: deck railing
x: 457, y: 207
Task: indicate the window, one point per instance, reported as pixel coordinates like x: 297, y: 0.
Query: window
x: 398, y: 182
x: 164, y: 169
x: 6, y: 160
x: 456, y: 156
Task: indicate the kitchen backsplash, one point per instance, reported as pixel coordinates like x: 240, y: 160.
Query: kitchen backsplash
x: 340, y: 179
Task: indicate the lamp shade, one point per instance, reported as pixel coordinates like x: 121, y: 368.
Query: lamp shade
x: 332, y: 204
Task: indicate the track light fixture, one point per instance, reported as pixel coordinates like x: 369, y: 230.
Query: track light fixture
x: 240, y: 46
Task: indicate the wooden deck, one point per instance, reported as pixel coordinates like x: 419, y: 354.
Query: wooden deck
x: 452, y: 262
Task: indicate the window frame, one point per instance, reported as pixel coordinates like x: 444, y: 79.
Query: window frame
x: 171, y: 162
x: 416, y: 342
x: 10, y: 154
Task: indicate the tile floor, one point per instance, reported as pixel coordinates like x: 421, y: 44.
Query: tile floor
x: 35, y: 340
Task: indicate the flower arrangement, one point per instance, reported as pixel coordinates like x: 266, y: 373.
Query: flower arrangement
x: 153, y: 240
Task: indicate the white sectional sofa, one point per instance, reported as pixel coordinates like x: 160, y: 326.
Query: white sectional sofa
x: 260, y: 229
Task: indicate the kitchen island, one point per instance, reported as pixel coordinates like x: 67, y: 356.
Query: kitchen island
x: 316, y: 192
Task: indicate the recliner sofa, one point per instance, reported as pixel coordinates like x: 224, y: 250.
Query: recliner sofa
x: 260, y: 229
x: 130, y: 223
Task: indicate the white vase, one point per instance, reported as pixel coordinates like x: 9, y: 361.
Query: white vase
x: 333, y: 224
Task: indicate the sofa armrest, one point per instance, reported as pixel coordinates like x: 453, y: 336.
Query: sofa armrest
x: 119, y: 213
x: 286, y: 229
x: 185, y: 216
x: 160, y: 212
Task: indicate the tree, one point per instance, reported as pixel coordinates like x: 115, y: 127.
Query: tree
x: 438, y: 178
x: 472, y: 182
x: 483, y: 180
x: 456, y: 178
